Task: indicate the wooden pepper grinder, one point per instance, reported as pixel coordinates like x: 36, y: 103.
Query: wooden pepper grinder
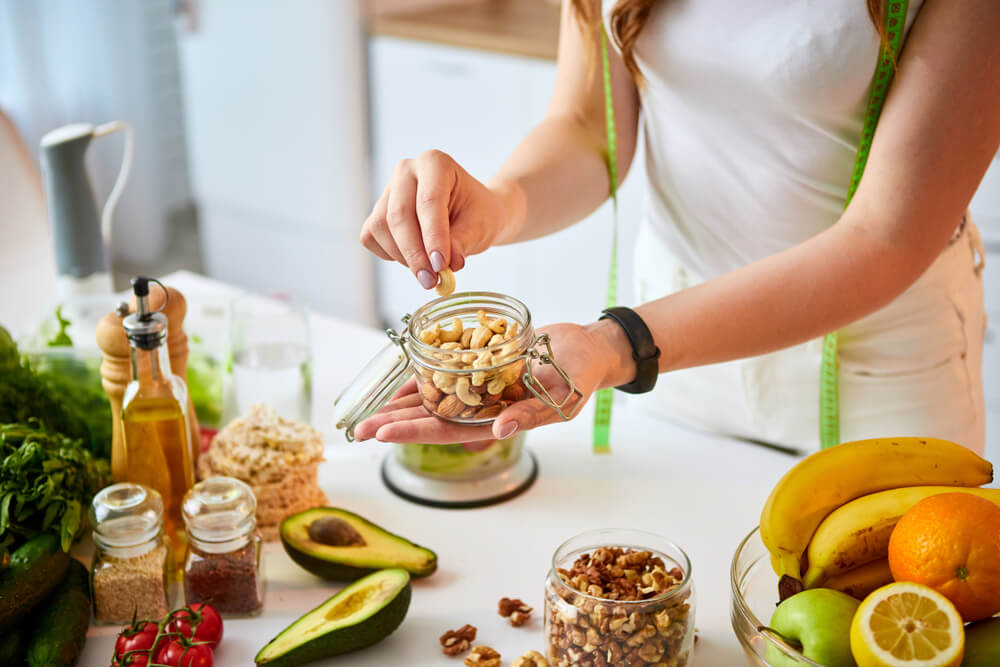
x: 116, y: 371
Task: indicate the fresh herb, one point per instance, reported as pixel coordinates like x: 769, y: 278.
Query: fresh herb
x: 47, y: 481
x: 26, y: 394
x: 61, y: 339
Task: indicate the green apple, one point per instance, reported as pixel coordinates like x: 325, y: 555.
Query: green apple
x: 982, y: 644
x: 818, y: 620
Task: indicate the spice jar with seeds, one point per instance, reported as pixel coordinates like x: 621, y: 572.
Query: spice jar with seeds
x: 619, y: 597
x: 472, y: 353
x: 223, y: 560
x: 132, y: 560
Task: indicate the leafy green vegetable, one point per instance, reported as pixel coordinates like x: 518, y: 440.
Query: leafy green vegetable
x: 204, y: 381
x: 27, y: 394
x: 47, y: 481
x: 61, y: 339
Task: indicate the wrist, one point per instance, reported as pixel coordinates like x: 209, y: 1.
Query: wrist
x: 614, y: 352
x: 513, y: 209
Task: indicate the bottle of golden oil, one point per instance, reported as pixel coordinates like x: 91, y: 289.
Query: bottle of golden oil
x: 154, y: 422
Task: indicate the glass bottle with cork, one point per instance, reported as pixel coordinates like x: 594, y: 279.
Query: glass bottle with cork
x: 154, y: 423
x: 223, y: 560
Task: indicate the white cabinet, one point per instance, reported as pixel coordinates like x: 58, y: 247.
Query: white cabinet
x: 477, y: 107
x: 275, y: 113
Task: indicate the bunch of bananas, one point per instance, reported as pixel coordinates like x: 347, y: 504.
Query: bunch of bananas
x: 827, y: 522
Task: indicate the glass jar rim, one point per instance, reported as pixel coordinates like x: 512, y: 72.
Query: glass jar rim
x: 685, y: 566
x: 476, y: 301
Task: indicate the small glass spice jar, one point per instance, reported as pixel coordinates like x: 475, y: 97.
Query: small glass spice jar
x: 619, y: 597
x: 472, y: 355
x: 130, y: 574
x: 223, y: 561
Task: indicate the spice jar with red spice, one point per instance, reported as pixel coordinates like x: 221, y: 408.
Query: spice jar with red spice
x: 223, y: 561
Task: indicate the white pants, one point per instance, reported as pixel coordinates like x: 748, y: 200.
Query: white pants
x: 913, y: 368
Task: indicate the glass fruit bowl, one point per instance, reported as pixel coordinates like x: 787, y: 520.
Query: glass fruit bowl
x: 755, y: 595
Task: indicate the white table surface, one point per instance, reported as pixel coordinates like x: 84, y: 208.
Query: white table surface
x: 702, y: 492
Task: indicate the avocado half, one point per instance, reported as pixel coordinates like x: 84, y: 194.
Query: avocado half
x: 364, y: 613
x: 333, y: 543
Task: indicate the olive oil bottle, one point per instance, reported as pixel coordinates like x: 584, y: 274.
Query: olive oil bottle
x: 154, y: 421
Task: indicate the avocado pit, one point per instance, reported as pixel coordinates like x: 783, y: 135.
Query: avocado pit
x: 334, y: 532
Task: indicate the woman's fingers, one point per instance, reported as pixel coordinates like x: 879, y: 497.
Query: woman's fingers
x: 409, y: 387
x: 530, y: 413
x: 431, y: 430
x: 401, y: 216
x: 435, y: 183
x: 375, y: 234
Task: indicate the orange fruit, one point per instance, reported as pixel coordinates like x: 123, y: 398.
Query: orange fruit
x: 951, y: 543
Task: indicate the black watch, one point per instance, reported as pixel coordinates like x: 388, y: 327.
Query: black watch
x: 644, y: 350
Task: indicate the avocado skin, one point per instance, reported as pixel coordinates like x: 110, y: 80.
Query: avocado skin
x: 12, y: 648
x: 36, y: 567
x: 335, y: 571
x: 345, y: 639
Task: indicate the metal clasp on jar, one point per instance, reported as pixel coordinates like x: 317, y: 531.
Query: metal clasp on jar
x: 541, y: 393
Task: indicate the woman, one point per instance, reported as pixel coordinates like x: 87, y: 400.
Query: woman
x: 752, y: 114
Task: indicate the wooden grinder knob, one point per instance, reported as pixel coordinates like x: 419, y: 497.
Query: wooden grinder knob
x: 116, y: 372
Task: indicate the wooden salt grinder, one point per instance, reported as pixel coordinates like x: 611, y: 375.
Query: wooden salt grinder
x: 116, y: 372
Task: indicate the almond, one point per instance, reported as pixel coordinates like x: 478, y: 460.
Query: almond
x: 490, y: 399
x: 489, y: 412
x: 451, y: 406
x: 514, y: 392
x: 430, y: 392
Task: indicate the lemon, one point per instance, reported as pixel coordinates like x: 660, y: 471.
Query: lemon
x: 907, y: 625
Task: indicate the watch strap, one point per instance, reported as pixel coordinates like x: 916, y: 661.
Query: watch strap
x: 644, y: 350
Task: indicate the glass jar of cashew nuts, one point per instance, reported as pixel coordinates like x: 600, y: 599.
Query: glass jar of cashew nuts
x: 472, y: 354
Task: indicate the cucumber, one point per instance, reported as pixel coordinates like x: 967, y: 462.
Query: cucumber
x: 62, y: 622
x: 35, y: 569
x: 12, y: 648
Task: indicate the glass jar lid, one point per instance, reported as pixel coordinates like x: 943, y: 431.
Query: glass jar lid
x: 219, y: 509
x: 373, y: 387
x: 126, y: 515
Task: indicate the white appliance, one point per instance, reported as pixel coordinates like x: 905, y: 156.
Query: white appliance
x: 275, y: 112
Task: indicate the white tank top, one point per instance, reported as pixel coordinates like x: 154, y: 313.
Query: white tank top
x: 752, y: 114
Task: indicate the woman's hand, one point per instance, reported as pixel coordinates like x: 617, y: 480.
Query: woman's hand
x: 592, y: 356
x: 433, y: 215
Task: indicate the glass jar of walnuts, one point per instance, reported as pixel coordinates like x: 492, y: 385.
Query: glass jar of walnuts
x: 619, y: 597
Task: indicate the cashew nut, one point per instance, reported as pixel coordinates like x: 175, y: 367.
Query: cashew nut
x: 444, y: 381
x: 497, y: 325
x: 482, y: 319
x: 429, y: 336
x: 495, y: 340
x: 452, y: 345
x: 466, y: 339
x: 496, y: 385
x: 484, y: 360
x: 447, y: 282
x: 448, y: 336
x: 511, y: 330
x: 466, y: 396
x: 480, y: 337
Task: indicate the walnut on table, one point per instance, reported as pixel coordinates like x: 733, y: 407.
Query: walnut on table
x: 531, y: 659
x: 518, y: 612
x: 483, y: 656
x: 455, y: 642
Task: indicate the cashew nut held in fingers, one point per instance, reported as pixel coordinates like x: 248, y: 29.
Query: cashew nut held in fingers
x: 466, y: 396
x: 446, y: 284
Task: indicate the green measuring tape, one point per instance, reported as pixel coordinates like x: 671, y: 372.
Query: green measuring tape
x: 605, y: 397
x: 829, y: 390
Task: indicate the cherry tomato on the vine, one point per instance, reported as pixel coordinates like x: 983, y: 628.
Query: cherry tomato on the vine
x: 182, y: 653
x: 199, y: 622
x: 137, y: 637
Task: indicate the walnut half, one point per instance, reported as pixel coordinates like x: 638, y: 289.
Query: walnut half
x: 455, y: 642
x: 483, y: 656
x: 531, y: 659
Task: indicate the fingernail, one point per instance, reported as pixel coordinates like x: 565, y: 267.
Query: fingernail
x: 426, y: 279
x: 437, y: 261
x: 508, y: 429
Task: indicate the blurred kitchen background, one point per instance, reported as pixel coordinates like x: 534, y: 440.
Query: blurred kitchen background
x: 265, y: 131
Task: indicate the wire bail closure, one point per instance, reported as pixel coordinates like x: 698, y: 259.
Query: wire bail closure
x: 542, y: 393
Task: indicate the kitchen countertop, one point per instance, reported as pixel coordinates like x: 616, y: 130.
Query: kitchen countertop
x: 702, y: 492
x: 519, y: 27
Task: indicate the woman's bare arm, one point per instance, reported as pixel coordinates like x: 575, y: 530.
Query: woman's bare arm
x: 433, y: 213
x: 938, y: 132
